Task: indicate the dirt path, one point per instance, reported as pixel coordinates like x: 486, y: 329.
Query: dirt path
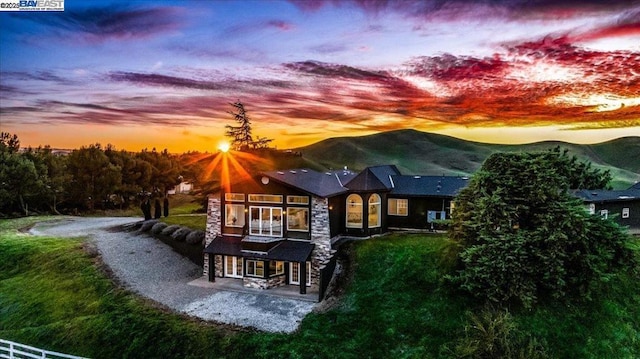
x: 153, y: 270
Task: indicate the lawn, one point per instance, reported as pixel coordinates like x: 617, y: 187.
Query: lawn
x: 54, y: 295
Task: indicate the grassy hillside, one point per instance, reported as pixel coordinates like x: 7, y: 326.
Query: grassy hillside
x: 396, y: 305
x: 423, y: 153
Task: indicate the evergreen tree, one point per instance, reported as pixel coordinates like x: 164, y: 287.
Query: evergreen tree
x: 241, y: 134
x: 241, y: 137
x: 524, y: 237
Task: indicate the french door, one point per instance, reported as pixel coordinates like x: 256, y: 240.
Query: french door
x: 294, y: 273
x: 233, y: 267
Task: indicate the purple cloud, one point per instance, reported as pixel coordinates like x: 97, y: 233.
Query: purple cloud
x: 97, y: 24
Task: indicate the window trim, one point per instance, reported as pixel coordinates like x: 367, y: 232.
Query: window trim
x: 604, y: 213
x: 260, y: 221
x: 234, y: 264
x: 291, y: 199
x: 255, y: 265
x: 273, y: 271
x: 231, y: 205
x: 377, y: 205
x: 233, y: 197
x: 397, y: 213
x: 260, y: 198
x: 306, y: 209
x: 358, y: 203
x: 308, y: 279
x: 626, y: 212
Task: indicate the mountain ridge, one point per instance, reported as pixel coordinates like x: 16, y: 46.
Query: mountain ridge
x: 423, y: 153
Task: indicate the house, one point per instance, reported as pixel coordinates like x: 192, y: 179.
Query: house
x: 278, y: 228
x: 181, y: 188
x: 623, y: 206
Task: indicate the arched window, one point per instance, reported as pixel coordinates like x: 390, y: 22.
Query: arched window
x: 375, y: 211
x: 354, y: 211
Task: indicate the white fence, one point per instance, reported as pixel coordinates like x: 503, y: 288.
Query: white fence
x: 11, y: 350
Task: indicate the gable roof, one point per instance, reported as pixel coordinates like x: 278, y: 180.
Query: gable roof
x: 602, y: 195
x: 429, y: 186
x: 635, y: 186
x: 376, y: 178
x: 326, y: 184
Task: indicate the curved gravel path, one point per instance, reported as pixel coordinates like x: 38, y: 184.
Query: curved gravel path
x: 152, y: 269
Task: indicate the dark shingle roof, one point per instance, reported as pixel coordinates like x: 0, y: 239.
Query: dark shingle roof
x: 635, y: 186
x: 229, y: 246
x: 601, y: 195
x: 430, y: 186
x: 374, y: 179
x: 326, y: 184
x: 292, y: 251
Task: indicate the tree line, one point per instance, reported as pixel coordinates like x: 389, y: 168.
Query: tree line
x: 86, y: 179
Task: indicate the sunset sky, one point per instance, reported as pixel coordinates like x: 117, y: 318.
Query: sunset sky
x: 143, y: 74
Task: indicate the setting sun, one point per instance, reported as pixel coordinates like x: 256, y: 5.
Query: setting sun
x: 224, y: 146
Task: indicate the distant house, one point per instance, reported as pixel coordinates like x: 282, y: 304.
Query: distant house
x: 278, y: 228
x: 623, y: 206
x: 181, y: 188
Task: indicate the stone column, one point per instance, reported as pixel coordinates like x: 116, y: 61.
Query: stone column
x: 214, y: 226
x: 320, y: 236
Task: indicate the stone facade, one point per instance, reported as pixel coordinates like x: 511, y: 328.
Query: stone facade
x: 213, y: 229
x: 263, y: 283
x: 320, y: 236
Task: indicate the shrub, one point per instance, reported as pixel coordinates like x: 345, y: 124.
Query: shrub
x: 195, y: 237
x: 168, y: 231
x: 494, y: 334
x: 147, y: 225
x: 524, y: 237
x: 181, y: 234
x: 158, y: 227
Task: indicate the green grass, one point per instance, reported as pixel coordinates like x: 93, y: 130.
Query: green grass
x: 53, y: 295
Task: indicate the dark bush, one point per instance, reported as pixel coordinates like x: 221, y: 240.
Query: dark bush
x: 147, y: 225
x: 181, y: 234
x: 168, y: 231
x: 158, y: 227
x: 195, y: 237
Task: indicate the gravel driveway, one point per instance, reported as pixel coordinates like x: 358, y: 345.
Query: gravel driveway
x: 152, y: 269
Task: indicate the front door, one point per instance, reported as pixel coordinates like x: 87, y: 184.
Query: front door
x: 294, y: 273
x: 233, y: 266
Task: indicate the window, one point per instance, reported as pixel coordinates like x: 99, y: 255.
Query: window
x: 298, y: 219
x: 625, y: 213
x: 276, y: 268
x: 233, y: 266
x: 375, y: 209
x: 265, y: 221
x: 265, y: 198
x: 255, y: 268
x: 294, y: 273
x: 592, y: 208
x: 398, y: 207
x: 297, y: 200
x: 234, y: 197
x: 354, y: 211
x: 604, y: 214
x: 234, y: 215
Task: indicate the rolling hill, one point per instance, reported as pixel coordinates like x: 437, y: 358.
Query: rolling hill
x: 415, y: 152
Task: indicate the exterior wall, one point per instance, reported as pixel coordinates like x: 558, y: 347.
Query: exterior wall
x: 320, y: 236
x: 264, y: 283
x: 417, y: 214
x: 615, y: 213
x: 213, y: 228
